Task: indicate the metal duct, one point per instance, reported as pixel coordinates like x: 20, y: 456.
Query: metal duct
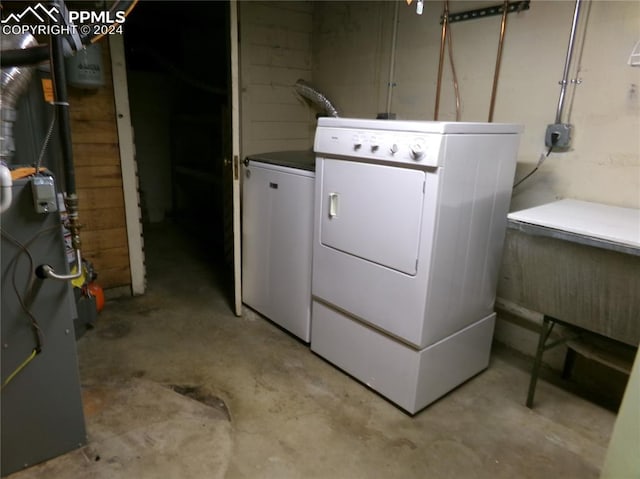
x: 14, y: 82
x: 307, y: 91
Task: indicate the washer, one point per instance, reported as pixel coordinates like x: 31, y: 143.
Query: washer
x: 410, y: 219
x: 277, y: 226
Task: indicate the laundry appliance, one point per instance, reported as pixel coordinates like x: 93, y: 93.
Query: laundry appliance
x: 409, y: 224
x: 277, y: 227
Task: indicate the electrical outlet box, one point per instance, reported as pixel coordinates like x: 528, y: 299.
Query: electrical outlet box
x: 44, y: 194
x: 558, y: 136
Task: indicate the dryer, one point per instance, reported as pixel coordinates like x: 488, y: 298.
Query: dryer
x: 409, y: 223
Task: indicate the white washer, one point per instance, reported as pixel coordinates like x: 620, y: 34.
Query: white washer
x: 277, y: 226
x: 410, y: 219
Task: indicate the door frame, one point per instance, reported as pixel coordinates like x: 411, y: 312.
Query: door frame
x: 235, y: 145
x: 129, y: 169
x: 128, y: 166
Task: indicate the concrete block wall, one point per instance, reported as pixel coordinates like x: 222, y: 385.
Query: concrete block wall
x: 275, y: 51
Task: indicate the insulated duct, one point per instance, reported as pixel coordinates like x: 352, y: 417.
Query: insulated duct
x: 14, y: 82
x: 306, y: 90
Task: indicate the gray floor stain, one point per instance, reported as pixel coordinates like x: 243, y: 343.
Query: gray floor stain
x: 116, y: 329
x: 197, y: 393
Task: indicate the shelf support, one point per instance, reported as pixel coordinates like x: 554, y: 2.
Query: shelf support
x: 516, y: 7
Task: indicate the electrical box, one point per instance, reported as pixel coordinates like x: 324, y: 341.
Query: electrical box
x: 44, y: 194
x: 85, y: 68
x: 558, y: 136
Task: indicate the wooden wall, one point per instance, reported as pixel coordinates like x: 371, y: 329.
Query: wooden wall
x: 99, y: 180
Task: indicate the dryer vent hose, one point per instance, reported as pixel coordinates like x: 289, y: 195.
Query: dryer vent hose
x: 307, y: 91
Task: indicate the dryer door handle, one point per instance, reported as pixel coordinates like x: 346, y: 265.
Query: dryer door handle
x: 333, y: 204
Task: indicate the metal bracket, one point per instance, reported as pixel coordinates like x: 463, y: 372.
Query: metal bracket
x: 517, y: 7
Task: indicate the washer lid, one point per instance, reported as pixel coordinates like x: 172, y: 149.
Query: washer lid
x: 300, y: 159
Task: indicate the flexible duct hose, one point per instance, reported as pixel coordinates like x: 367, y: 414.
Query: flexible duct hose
x: 15, y: 80
x: 307, y: 91
x: 13, y: 83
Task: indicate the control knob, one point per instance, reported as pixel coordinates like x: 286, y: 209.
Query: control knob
x: 394, y: 149
x: 374, y: 144
x: 417, y: 150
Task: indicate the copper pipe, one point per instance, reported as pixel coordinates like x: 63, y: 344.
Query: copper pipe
x: 503, y: 28
x: 445, y: 24
x: 392, y: 59
x: 456, y: 86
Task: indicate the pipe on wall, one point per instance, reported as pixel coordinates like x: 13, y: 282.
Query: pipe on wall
x: 58, y: 75
x: 496, y: 74
x: 567, y: 62
x: 392, y: 59
x: 443, y: 38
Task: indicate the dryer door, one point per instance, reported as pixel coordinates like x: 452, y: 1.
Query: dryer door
x: 372, y: 212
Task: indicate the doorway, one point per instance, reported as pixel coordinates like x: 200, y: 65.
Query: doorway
x: 179, y: 84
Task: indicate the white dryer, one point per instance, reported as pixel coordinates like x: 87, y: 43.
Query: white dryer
x: 409, y: 224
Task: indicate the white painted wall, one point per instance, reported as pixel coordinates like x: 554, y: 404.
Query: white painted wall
x: 351, y: 52
x: 275, y: 51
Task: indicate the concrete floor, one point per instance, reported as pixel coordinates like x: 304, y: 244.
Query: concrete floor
x: 266, y: 407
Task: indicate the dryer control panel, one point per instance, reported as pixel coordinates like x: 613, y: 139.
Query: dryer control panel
x: 410, y: 148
